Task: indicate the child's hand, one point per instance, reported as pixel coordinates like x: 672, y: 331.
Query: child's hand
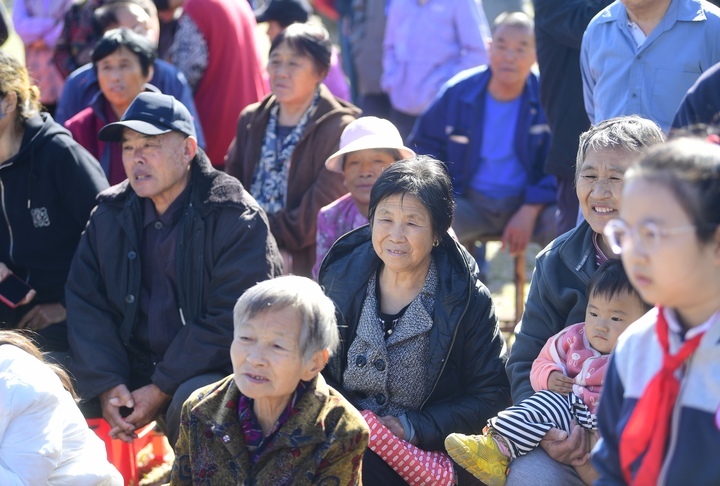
x: 560, y: 383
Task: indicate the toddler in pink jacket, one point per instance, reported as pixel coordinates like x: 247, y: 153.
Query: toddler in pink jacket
x: 567, y: 378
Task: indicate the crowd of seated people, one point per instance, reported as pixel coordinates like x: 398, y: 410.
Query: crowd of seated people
x: 287, y: 286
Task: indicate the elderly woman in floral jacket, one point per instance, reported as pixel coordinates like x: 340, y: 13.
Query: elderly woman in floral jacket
x: 274, y: 421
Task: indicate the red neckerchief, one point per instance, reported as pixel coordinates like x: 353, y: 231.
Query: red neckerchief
x: 648, y: 428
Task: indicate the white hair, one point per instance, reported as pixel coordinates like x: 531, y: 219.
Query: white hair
x: 316, y: 311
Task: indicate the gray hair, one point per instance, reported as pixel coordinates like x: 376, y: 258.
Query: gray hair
x: 316, y: 311
x: 519, y: 20
x: 632, y: 134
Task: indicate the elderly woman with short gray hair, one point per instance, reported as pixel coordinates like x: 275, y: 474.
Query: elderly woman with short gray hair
x: 557, y: 296
x: 274, y: 420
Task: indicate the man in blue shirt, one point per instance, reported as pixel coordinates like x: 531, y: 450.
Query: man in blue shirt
x: 641, y: 56
x: 82, y: 84
x: 488, y: 126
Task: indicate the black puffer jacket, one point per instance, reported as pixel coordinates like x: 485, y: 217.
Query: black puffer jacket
x: 47, y: 192
x: 224, y: 247
x: 466, y: 370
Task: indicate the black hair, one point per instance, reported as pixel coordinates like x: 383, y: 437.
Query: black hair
x: 690, y: 169
x: 610, y: 280
x: 308, y: 40
x: 423, y: 177
x: 135, y: 43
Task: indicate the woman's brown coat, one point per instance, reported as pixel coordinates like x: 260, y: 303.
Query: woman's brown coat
x: 310, y: 185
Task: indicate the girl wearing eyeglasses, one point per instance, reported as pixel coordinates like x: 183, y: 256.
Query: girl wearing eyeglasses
x: 659, y: 415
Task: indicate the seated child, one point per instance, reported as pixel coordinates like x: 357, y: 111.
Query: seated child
x: 567, y: 376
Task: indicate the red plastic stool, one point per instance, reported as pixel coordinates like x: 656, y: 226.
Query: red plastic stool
x: 125, y: 456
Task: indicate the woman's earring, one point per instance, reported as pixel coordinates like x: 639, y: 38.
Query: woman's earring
x: 436, y: 242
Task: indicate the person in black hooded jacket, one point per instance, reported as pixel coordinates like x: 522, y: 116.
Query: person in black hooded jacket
x: 48, y: 185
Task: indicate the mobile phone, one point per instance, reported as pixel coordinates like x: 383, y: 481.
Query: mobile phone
x: 13, y: 290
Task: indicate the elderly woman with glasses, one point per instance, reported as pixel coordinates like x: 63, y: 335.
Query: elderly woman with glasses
x: 274, y: 421
x: 557, y: 296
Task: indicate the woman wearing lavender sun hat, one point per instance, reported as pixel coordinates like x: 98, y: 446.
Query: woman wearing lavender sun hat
x: 367, y: 147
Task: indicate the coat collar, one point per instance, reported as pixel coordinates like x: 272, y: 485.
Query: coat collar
x: 219, y: 409
x: 576, y: 250
x: 678, y: 10
x: 326, y: 107
x: 481, y: 77
x: 210, y: 188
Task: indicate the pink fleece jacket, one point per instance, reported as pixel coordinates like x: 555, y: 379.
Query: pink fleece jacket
x: 570, y: 353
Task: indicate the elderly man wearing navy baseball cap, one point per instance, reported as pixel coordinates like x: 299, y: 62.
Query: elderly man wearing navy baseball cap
x: 165, y: 255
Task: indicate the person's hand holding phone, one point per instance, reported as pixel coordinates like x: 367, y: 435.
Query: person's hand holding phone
x: 14, y: 291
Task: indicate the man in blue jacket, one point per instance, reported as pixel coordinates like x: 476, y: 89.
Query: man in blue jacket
x: 487, y: 124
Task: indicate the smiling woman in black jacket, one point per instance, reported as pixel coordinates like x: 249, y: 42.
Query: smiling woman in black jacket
x: 48, y: 185
x: 420, y: 343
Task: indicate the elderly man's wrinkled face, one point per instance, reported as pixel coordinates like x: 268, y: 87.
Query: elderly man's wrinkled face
x: 158, y: 167
x: 512, y: 54
x: 267, y: 359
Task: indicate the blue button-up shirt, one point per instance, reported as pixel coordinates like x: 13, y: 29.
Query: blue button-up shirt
x: 650, y: 80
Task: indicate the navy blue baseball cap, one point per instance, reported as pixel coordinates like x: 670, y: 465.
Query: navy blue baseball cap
x: 151, y: 114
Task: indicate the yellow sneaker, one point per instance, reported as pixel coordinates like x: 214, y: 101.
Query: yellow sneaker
x: 480, y: 456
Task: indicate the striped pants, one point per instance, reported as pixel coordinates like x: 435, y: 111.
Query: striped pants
x: 524, y: 425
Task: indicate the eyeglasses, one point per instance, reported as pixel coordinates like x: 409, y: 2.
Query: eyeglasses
x: 645, y: 235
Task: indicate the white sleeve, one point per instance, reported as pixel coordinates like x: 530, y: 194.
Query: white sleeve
x: 30, y: 441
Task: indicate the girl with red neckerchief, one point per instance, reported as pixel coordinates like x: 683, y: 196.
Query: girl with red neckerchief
x: 659, y: 415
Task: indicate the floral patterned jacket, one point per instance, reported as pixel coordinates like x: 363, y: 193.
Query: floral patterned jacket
x: 322, y: 444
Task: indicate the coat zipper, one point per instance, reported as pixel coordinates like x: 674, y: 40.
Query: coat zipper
x: 452, y: 343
